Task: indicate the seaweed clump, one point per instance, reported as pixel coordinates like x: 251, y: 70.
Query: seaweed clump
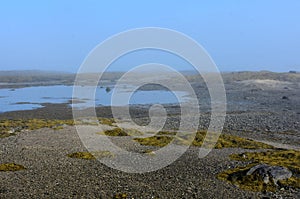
x: 284, y: 158
x: 11, y: 167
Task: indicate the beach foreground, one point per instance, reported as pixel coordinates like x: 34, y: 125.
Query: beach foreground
x: 42, y: 156
x: 51, y: 173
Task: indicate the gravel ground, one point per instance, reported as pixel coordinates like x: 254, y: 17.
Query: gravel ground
x: 51, y: 174
x: 271, y: 115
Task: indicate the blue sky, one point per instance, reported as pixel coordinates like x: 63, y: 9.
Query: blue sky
x: 239, y: 35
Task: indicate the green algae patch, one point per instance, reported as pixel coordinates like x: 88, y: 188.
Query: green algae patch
x: 11, y: 167
x: 90, y: 155
x: 285, y: 158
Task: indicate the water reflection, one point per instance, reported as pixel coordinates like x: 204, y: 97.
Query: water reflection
x: 33, y: 97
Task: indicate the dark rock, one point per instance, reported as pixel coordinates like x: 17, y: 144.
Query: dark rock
x: 270, y: 172
x: 285, y: 98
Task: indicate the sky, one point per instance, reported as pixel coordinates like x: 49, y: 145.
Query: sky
x: 57, y: 35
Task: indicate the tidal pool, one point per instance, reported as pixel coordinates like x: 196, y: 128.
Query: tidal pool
x: 29, y: 98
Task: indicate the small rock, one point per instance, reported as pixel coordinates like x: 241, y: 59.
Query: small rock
x: 285, y: 98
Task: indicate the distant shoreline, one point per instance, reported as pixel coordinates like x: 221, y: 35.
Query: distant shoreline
x: 21, y: 79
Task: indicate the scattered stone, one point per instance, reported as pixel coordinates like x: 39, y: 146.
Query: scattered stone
x: 285, y: 98
x: 12, y: 131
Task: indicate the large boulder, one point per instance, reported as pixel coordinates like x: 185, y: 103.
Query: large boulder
x: 268, y: 173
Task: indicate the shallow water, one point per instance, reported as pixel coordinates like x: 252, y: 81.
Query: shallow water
x: 33, y: 97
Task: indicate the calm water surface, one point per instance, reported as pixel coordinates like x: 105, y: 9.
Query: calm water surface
x: 33, y: 97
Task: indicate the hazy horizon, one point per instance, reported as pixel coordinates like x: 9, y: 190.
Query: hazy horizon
x: 120, y: 71
x: 239, y: 36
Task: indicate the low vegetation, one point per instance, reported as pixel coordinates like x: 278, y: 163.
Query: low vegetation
x: 162, y: 139
x: 11, y: 127
x: 159, y: 141
x: 90, y: 155
x: 107, y: 121
x: 11, y: 167
x: 115, y: 132
x: 120, y: 196
x: 285, y: 158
